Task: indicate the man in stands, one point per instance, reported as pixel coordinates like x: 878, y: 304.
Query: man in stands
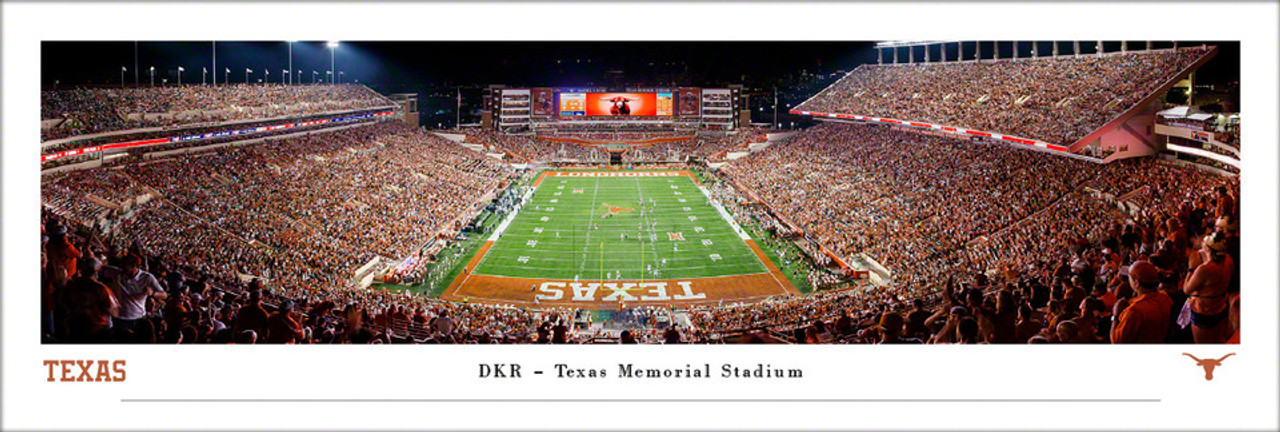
x: 252, y: 316
x: 89, y: 305
x: 133, y: 287
x: 1144, y: 319
x: 560, y: 331
x: 442, y: 325
x: 915, y: 320
x: 282, y: 327
x: 672, y: 335
x: 891, y: 330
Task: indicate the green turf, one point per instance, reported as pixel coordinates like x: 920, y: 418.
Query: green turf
x: 772, y: 248
x: 561, y: 234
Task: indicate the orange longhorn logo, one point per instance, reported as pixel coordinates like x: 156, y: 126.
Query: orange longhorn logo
x: 1208, y: 364
x: 616, y: 210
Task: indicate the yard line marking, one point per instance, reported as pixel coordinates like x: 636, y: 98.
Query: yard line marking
x: 587, y: 242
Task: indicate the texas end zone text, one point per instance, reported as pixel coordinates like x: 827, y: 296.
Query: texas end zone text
x: 633, y: 371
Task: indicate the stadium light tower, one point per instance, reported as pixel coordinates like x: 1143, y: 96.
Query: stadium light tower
x: 225, y: 75
x: 775, y: 106
x: 153, y: 76
x: 313, y: 76
x: 340, y: 74
x: 122, y: 71
x: 204, y: 72
x: 284, y: 73
x: 247, y: 71
x: 333, y: 48
x: 180, y: 69
x: 136, y: 64
x: 290, y: 62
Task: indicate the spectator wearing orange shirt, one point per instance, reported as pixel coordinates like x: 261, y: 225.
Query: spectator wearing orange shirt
x: 1146, y: 318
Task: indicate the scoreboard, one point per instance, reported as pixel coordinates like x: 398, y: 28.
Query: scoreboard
x: 573, y: 104
x: 519, y: 107
x: 665, y: 106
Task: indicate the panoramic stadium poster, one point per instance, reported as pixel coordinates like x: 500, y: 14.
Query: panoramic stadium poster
x: 485, y: 225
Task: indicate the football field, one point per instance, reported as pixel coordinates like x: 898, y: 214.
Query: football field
x: 600, y: 238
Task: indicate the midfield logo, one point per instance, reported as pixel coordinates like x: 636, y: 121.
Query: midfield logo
x: 615, y: 210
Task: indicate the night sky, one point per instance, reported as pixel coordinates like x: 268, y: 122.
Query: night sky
x: 461, y: 63
x: 434, y: 70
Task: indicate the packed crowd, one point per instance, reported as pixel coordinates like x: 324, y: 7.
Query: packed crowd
x: 302, y: 212
x: 987, y: 244
x: 544, y: 148
x: 883, y: 197
x: 1033, y: 249
x: 1052, y: 99
x: 145, y: 134
x: 90, y: 111
x: 528, y: 148
x: 1230, y: 135
x: 179, y: 144
x: 711, y: 146
x: 96, y: 292
x: 609, y: 136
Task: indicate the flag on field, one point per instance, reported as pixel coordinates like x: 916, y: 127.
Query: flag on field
x: 673, y: 236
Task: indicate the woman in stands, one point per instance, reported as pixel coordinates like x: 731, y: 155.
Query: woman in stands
x: 1207, y: 286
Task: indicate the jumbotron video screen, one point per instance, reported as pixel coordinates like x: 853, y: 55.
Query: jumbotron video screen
x: 616, y: 104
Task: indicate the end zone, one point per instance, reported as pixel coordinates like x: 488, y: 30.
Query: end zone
x: 597, y: 294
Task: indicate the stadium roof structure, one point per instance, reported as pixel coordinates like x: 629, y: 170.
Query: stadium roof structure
x: 908, y: 43
x: 1185, y: 112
